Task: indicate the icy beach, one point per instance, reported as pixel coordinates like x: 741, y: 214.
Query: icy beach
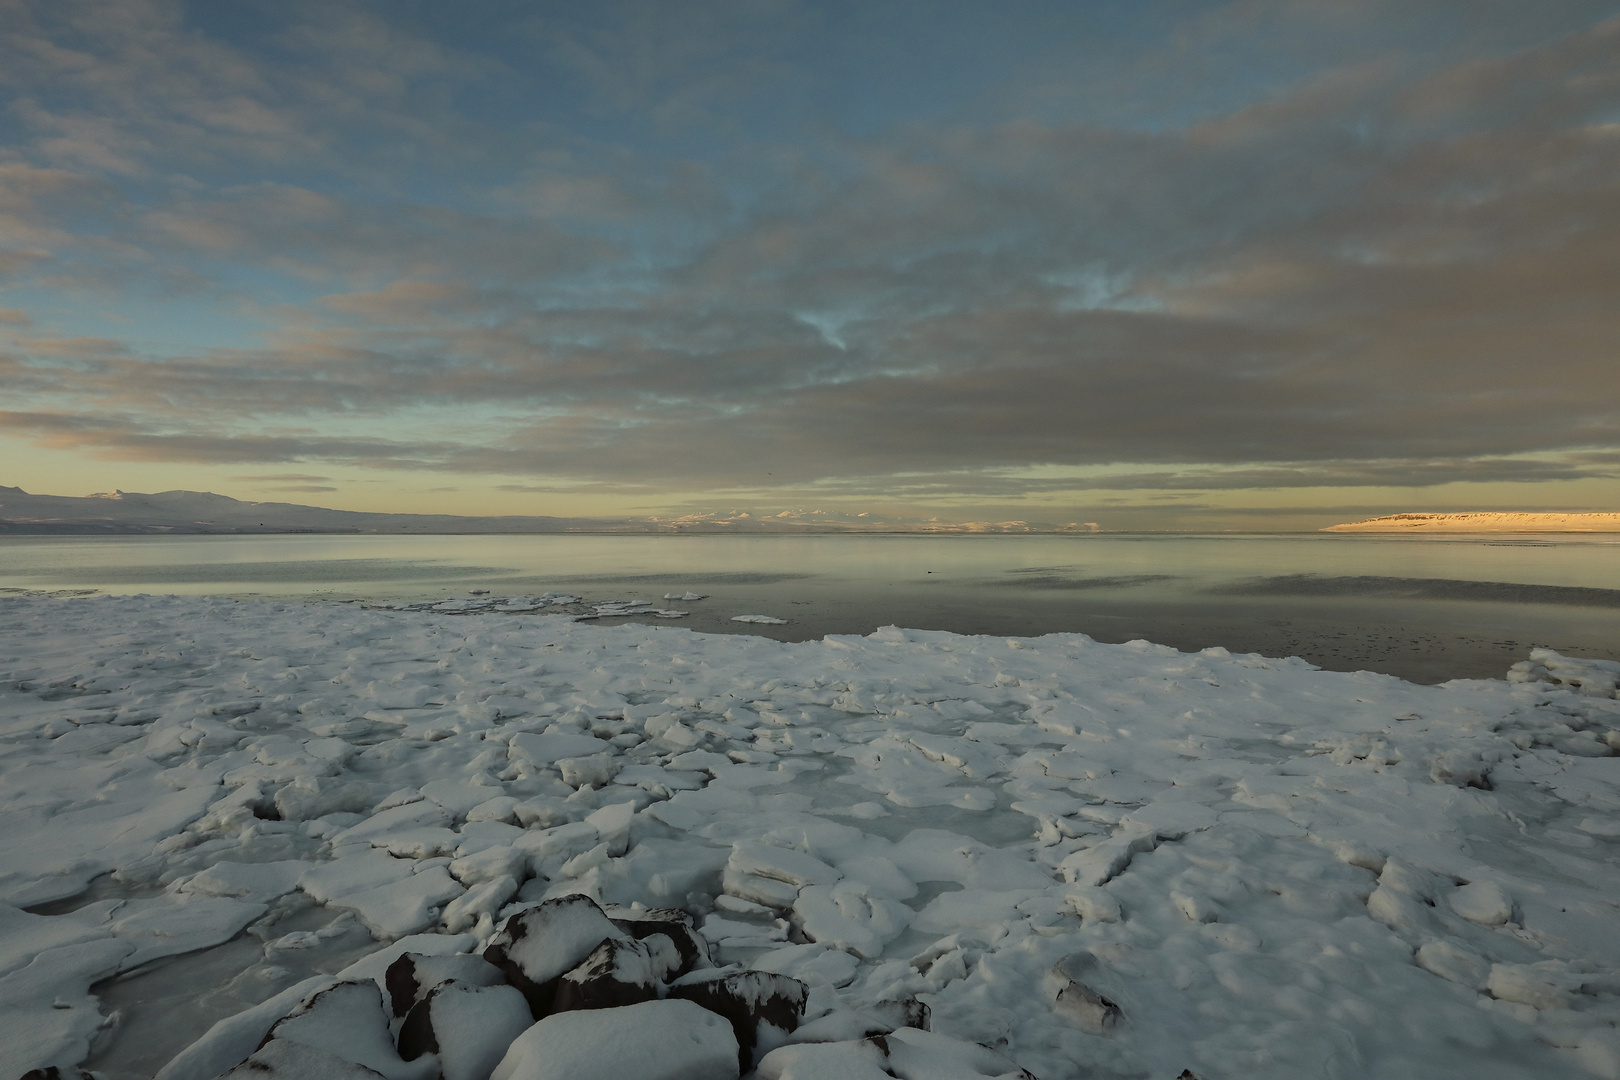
x: 224, y: 824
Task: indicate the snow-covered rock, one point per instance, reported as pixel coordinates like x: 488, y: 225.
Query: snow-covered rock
x: 655, y: 1040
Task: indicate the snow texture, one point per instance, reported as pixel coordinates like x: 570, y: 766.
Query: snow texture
x: 655, y: 1040
x: 1101, y: 860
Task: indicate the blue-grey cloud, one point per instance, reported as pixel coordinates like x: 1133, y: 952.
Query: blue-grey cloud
x: 1392, y: 267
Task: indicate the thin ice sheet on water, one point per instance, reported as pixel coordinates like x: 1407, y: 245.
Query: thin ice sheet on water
x: 1103, y: 860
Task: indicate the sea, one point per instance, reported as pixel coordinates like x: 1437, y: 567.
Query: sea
x: 1424, y: 608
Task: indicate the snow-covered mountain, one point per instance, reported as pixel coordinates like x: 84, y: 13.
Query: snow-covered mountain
x: 1484, y: 522
x: 205, y: 512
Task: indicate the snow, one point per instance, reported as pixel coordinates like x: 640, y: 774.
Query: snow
x: 1102, y: 860
x: 655, y: 1040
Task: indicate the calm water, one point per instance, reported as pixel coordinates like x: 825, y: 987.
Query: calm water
x: 1426, y: 608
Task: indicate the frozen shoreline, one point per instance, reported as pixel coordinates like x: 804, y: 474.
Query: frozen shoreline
x: 1315, y: 872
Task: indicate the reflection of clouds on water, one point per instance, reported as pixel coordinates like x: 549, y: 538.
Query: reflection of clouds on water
x: 1422, y: 589
x: 701, y: 578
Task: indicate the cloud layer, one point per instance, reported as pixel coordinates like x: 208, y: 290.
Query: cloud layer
x: 632, y: 253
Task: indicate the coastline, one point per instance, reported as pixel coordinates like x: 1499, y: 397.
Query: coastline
x: 1004, y: 805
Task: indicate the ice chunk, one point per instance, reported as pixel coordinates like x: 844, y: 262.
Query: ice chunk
x: 282, y: 1060
x: 862, y: 1060
x: 489, y: 864
x: 347, y: 1020
x: 849, y: 915
x: 1483, y: 902
x: 1529, y: 984
x: 549, y: 747
x: 763, y: 619
x: 311, y: 797
x: 550, y: 848
x: 404, y: 906
x: 655, y: 1040
x: 926, y: 1055
x: 24, y: 936
x: 500, y: 808
x: 1091, y: 902
x: 414, y: 815
x: 811, y: 964
x: 168, y: 926
x: 1097, y: 865
x: 257, y: 883
x: 467, y: 910
x: 1455, y: 963
x: 593, y: 771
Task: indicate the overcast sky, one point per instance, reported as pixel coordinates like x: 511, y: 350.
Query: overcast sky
x: 1253, y: 264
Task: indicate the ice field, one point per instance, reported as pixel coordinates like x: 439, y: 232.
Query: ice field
x: 1110, y: 861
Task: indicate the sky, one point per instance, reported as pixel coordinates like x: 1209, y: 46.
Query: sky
x: 1255, y: 265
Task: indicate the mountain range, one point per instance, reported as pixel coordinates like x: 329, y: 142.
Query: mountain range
x: 190, y: 512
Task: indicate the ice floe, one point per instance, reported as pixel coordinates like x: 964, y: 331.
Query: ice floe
x: 636, y: 851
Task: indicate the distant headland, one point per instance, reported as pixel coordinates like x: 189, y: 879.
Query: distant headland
x: 1484, y: 522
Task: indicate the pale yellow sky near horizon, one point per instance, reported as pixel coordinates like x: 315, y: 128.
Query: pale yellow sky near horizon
x: 46, y: 471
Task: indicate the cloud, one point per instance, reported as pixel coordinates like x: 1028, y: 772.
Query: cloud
x: 281, y: 478
x: 1372, y: 274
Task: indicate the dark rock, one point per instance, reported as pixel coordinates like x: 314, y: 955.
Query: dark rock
x: 618, y: 973
x: 748, y: 999
x: 468, y: 1026
x: 534, y: 948
x: 51, y: 1072
x: 413, y: 975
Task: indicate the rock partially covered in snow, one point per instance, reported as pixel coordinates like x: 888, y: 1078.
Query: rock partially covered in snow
x: 410, y: 978
x: 348, y: 1021
x: 536, y: 947
x: 673, y: 923
x: 468, y: 1027
x: 618, y: 973
x: 748, y: 999
x: 1078, y: 1002
x: 655, y: 1040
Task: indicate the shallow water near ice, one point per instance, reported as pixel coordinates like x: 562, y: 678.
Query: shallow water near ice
x: 1423, y: 608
